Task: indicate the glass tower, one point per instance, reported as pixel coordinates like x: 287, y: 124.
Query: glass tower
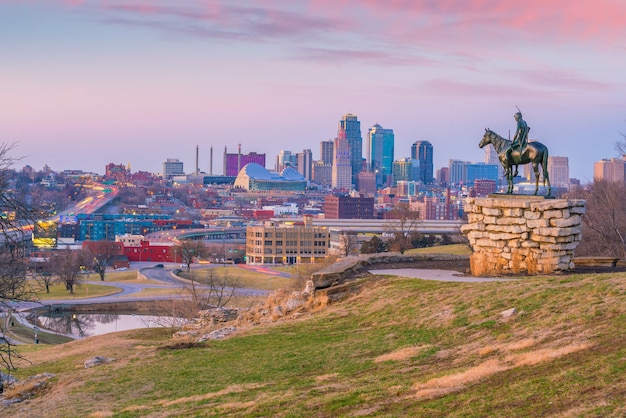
x: 350, y: 129
x: 380, y: 152
x: 423, y: 152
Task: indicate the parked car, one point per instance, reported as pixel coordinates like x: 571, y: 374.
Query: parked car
x: 158, y: 266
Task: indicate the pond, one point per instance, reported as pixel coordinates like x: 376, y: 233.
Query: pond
x: 81, y: 325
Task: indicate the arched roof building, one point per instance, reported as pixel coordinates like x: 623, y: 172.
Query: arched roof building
x: 254, y: 177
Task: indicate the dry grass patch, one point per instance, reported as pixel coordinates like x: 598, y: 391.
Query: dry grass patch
x: 455, y: 382
x: 401, y: 354
x: 226, y: 391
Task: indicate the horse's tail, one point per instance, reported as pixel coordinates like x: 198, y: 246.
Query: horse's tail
x: 544, y: 165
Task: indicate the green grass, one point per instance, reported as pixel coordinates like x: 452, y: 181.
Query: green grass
x: 83, y: 290
x: 244, y: 278
x: 375, y: 354
x: 454, y: 249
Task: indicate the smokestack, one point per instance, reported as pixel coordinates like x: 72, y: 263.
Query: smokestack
x: 225, y: 155
x: 211, y: 161
x: 239, y: 159
x: 197, y: 156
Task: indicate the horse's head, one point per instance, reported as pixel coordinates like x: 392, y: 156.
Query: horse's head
x: 486, y: 138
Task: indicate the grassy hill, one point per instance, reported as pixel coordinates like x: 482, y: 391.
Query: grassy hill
x: 398, y: 347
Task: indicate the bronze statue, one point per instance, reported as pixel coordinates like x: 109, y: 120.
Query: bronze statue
x: 533, y: 152
x: 520, y: 140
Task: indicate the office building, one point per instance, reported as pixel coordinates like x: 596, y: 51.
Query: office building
x: 172, y: 167
x: 405, y: 169
x: 380, y: 152
x: 304, y: 162
x: 348, y: 207
x: 480, y: 171
x: 558, y: 171
x: 326, y: 151
x: 284, y: 159
x: 350, y: 129
x: 322, y: 173
x: 233, y: 163
x: 423, y: 152
x: 286, y: 242
x: 366, y: 183
x: 342, y: 169
x: 612, y: 170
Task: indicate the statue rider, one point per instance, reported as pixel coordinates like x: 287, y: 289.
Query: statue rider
x: 520, y: 140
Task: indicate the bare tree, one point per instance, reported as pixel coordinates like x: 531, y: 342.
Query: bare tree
x: 14, y: 216
x: 103, y: 253
x: 348, y: 243
x: 604, y: 222
x: 402, y: 223
x: 66, y: 264
x: 189, y: 250
x: 13, y: 269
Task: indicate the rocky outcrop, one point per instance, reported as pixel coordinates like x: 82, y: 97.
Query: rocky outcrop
x: 512, y: 234
x: 342, y: 271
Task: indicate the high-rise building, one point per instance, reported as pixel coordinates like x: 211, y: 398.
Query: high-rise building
x: 284, y: 159
x: 350, y: 129
x: 457, y: 172
x: 380, y: 152
x: 423, y: 152
x: 233, y: 163
x: 172, y: 167
x: 366, y: 183
x: 405, y: 169
x: 491, y: 157
x: 305, y: 163
x: 322, y: 173
x: 443, y: 176
x: 558, y: 171
x: 613, y: 170
x: 480, y: 171
x: 326, y: 151
x: 342, y: 169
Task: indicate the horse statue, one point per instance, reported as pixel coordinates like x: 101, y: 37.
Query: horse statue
x: 535, y: 153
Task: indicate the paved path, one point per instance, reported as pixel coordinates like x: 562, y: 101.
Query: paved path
x: 439, y: 275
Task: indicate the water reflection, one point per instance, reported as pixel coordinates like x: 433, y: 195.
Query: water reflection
x: 80, y: 325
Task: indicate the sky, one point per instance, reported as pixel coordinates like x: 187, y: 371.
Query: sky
x: 84, y: 83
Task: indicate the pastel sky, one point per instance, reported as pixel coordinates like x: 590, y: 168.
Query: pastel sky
x: 87, y: 82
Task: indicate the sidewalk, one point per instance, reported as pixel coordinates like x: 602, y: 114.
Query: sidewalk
x: 439, y: 275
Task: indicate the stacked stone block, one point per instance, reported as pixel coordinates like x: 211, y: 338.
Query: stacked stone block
x: 522, y: 234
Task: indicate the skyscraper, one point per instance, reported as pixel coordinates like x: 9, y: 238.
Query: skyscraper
x: 326, y: 151
x: 342, y: 169
x: 558, y: 170
x: 423, y: 152
x: 305, y: 163
x: 380, y: 150
x: 350, y: 129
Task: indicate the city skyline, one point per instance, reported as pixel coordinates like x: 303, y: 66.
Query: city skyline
x: 86, y: 83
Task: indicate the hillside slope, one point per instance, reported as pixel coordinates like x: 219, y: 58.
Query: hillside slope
x: 399, y: 347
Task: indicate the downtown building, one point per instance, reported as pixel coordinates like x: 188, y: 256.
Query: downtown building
x: 286, y: 242
x: 233, y: 163
x: 380, y: 153
x: 422, y: 151
x: 613, y: 170
x: 348, y: 207
x: 350, y: 129
x: 341, y: 168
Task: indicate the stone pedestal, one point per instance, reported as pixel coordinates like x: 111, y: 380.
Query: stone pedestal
x: 522, y: 234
